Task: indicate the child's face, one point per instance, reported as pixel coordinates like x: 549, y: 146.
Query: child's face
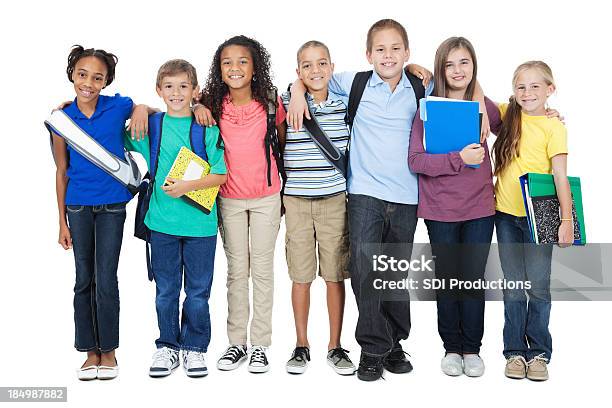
x: 459, y: 69
x: 315, y: 68
x: 531, y: 92
x: 178, y: 92
x: 236, y: 67
x: 89, y: 78
x: 388, y: 54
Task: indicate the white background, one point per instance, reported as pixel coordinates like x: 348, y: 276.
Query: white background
x: 37, y: 275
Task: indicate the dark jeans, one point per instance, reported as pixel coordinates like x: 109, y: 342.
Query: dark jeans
x: 174, y: 259
x: 526, y: 318
x: 461, y: 250
x: 382, y: 321
x: 97, y: 232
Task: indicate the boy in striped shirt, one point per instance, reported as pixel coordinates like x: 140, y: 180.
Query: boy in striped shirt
x: 315, y: 209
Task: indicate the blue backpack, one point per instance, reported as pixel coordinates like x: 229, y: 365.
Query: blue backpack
x: 197, y: 139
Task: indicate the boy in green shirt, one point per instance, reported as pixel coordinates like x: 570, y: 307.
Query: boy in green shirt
x: 183, y: 237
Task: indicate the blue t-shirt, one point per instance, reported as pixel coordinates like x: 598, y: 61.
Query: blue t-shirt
x: 87, y: 183
x: 378, y: 160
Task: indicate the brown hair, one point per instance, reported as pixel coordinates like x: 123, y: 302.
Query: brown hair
x: 174, y: 67
x: 506, y: 147
x: 312, y: 44
x: 384, y: 24
x: 450, y: 44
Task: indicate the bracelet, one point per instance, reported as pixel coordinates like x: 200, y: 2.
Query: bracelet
x: 566, y: 219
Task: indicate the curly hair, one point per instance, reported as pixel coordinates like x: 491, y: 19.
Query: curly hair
x: 78, y: 52
x: 215, y: 89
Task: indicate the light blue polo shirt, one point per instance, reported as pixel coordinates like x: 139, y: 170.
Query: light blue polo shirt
x: 378, y: 164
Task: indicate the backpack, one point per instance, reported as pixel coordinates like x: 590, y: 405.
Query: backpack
x: 197, y: 139
x: 271, y: 140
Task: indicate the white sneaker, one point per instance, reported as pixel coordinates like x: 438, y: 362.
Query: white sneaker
x: 233, y: 356
x: 87, y: 373
x: 194, y: 363
x: 473, y: 366
x: 258, y: 362
x: 452, y: 364
x: 164, y: 361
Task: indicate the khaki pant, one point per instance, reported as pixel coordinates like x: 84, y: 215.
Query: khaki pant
x: 316, y: 225
x: 256, y: 221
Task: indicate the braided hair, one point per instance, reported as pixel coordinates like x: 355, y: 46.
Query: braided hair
x: 78, y: 52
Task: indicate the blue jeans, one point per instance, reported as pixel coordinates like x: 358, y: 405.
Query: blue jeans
x: 173, y: 259
x: 526, y: 318
x: 97, y: 232
x: 382, y: 322
x: 461, y: 250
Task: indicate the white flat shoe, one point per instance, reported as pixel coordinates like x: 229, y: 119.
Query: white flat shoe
x: 452, y: 364
x: 107, y: 372
x: 87, y: 373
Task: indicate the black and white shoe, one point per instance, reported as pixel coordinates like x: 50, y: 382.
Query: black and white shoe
x: 194, y: 364
x: 258, y: 362
x: 164, y: 361
x: 234, y: 356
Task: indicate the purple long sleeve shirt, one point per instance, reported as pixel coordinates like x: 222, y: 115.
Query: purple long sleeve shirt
x: 449, y: 191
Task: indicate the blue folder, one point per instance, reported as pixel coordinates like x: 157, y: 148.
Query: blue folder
x: 450, y: 125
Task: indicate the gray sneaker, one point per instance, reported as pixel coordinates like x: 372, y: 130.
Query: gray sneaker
x: 339, y: 360
x: 299, y: 360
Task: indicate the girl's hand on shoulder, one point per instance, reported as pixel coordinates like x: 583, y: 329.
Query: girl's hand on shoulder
x: 175, y: 187
x: 65, y: 239
x: 297, y: 109
x: 553, y: 113
x: 566, y: 234
x: 139, y: 122
x: 203, y: 115
x: 485, y: 127
x: 420, y: 72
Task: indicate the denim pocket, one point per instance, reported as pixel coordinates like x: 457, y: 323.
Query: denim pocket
x: 74, y: 208
x: 116, y: 208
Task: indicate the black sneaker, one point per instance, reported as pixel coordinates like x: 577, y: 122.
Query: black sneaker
x: 232, y: 358
x: 370, y: 368
x: 396, y: 362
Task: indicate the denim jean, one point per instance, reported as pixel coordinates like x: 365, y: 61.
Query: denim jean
x: 382, y: 322
x: 175, y: 260
x: 526, y: 312
x: 97, y: 232
x: 461, y: 250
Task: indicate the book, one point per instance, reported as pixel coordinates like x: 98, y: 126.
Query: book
x: 190, y: 166
x: 449, y: 124
x: 544, y: 211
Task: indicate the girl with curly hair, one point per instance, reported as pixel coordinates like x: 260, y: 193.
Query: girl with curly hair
x: 242, y: 100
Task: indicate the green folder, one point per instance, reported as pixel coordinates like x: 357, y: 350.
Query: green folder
x: 542, y: 207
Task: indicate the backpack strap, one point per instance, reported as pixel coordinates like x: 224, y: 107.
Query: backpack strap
x: 197, y: 138
x: 357, y: 88
x: 417, y: 86
x: 271, y: 139
x: 155, y: 135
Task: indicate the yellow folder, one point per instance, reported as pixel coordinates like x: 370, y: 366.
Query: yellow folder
x: 190, y: 166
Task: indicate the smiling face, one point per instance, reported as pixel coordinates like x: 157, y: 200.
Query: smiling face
x: 178, y: 92
x: 315, y: 68
x: 388, y: 54
x: 236, y: 67
x: 531, y: 91
x: 89, y: 78
x: 459, y: 69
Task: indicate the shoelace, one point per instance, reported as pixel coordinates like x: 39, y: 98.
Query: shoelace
x: 258, y: 355
x: 341, y: 354
x: 516, y: 360
x: 232, y: 353
x: 162, y: 354
x: 540, y: 357
x: 301, y: 354
x: 377, y: 366
x: 194, y: 356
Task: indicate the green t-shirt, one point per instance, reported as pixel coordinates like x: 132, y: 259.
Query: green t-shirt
x: 175, y: 216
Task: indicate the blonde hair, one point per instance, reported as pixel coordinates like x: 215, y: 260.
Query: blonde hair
x: 506, y: 147
x: 175, y: 67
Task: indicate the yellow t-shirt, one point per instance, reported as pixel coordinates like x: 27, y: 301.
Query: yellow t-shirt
x: 541, y: 139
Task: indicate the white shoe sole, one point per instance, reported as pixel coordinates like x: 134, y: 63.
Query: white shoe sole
x: 107, y: 373
x: 87, y: 373
x: 158, y: 374
x: 230, y: 367
x: 259, y: 369
x: 342, y: 371
x: 296, y: 370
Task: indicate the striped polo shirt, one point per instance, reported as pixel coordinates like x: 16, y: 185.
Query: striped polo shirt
x: 309, y: 173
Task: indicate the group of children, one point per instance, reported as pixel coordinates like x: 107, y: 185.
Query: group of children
x: 266, y: 164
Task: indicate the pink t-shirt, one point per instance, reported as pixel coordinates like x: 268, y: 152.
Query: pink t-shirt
x: 243, y: 129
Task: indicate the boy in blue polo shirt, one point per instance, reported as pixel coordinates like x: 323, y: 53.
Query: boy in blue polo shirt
x: 383, y: 193
x: 183, y: 238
